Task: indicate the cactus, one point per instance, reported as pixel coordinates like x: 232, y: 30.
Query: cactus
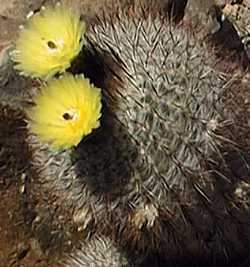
x: 98, y: 252
x: 148, y: 178
x: 157, y: 176
x: 12, y: 129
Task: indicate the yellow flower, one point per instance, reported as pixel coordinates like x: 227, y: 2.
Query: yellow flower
x: 49, y: 42
x: 65, y: 111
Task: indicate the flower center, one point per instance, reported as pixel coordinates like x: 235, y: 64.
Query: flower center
x: 67, y: 116
x: 51, y: 45
x: 70, y: 115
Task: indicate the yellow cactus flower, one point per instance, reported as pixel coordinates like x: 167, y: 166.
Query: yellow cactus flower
x: 65, y: 111
x: 50, y: 41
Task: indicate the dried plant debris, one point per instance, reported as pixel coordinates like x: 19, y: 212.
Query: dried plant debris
x: 239, y: 14
x: 211, y: 24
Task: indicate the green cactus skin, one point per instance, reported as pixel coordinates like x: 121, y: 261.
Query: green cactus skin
x: 156, y: 175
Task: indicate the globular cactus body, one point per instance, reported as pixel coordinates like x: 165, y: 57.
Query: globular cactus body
x: 147, y: 177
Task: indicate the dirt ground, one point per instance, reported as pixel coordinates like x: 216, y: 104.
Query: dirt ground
x: 13, y: 13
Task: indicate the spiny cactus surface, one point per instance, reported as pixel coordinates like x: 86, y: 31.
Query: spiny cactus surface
x: 149, y: 176
x: 98, y: 252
